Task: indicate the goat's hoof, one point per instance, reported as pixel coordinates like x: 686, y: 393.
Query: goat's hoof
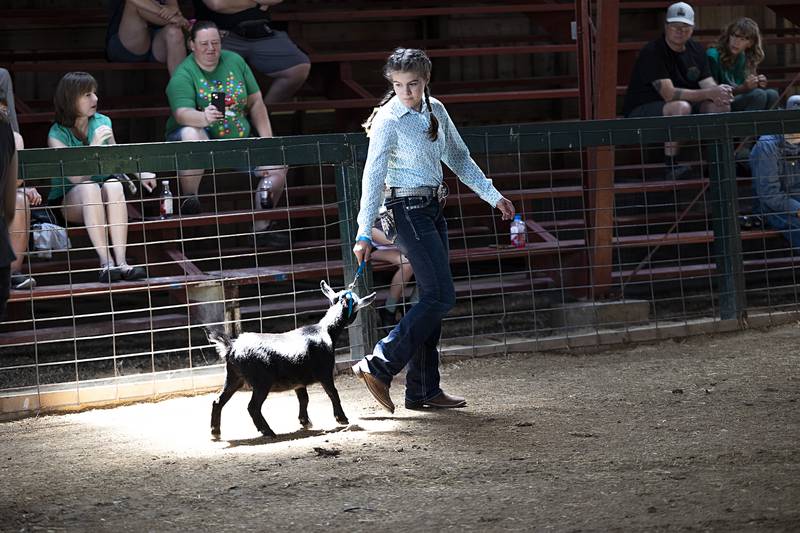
x: 268, y: 433
x: 343, y: 421
x: 215, y: 432
x: 306, y: 423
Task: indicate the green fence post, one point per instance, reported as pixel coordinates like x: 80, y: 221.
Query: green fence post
x: 727, y: 239
x: 363, y: 331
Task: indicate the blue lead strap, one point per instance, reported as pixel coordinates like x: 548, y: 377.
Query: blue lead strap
x: 358, y: 274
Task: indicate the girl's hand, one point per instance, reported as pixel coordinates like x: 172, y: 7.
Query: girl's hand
x: 34, y: 198
x: 362, y: 250
x: 762, y: 81
x: 751, y: 82
x: 506, y: 208
x: 102, y: 135
x: 149, y: 184
x: 212, y: 114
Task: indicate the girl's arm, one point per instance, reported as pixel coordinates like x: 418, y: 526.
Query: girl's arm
x: 383, y: 138
x: 55, y: 143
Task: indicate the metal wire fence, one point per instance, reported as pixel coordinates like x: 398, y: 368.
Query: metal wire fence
x: 619, y: 248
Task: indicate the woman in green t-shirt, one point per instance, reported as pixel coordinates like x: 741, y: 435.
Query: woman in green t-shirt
x: 98, y: 202
x: 206, y: 71
x: 734, y: 61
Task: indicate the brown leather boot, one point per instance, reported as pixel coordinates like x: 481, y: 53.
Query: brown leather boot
x: 376, y: 387
x: 441, y: 401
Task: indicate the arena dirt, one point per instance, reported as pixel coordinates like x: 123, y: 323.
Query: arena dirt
x: 694, y: 434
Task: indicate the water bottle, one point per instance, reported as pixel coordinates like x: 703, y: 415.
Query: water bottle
x: 265, y: 194
x: 166, y: 203
x: 518, y: 232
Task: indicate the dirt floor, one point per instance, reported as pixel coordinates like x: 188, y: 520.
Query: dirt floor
x: 693, y: 434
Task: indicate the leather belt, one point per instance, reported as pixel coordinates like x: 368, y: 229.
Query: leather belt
x: 405, y: 192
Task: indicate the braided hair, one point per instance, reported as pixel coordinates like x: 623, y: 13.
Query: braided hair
x: 407, y: 60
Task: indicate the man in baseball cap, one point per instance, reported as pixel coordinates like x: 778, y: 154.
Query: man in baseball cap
x: 672, y: 77
x: 680, y: 12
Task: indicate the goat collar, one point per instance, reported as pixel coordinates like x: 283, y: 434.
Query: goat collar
x: 348, y: 295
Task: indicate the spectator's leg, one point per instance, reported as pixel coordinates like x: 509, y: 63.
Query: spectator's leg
x: 190, y: 179
x: 117, y: 216
x: 169, y: 46
x: 772, y: 98
x: 19, y: 230
x: 710, y: 107
x: 277, y: 177
x: 671, y: 109
x: 7, y: 90
x: 279, y: 58
x: 754, y: 100
x: 83, y: 204
x: 133, y: 31
x: 285, y: 83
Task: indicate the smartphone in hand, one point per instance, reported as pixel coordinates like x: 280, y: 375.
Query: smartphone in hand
x: 218, y: 101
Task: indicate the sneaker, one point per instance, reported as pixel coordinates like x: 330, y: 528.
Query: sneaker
x: 21, y: 282
x: 190, y: 206
x: 278, y: 240
x: 110, y: 274
x: 132, y: 273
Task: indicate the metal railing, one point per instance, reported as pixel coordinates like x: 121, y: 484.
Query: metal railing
x: 616, y: 251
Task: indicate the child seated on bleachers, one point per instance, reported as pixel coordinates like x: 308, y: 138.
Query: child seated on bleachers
x: 98, y: 202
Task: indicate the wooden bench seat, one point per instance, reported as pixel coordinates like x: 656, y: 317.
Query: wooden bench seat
x: 44, y: 292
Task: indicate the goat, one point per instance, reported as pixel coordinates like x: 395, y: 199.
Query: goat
x: 286, y: 361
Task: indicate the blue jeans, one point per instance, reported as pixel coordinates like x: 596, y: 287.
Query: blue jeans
x: 422, y: 237
x: 755, y: 100
x: 789, y: 226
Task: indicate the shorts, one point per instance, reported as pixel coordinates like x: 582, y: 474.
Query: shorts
x: 116, y: 51
x: 268, y: 55
x: 656, y: 109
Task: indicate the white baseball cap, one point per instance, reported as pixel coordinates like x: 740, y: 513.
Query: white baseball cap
x: 681, y: 12
x: 793, y: 102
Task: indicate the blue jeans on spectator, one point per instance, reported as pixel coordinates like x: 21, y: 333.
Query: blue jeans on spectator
x: 755, y: 100
x: 422, y: 237
x: 789, y: 226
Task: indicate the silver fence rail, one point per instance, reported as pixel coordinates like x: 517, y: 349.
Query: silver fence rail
x: 619, y: 247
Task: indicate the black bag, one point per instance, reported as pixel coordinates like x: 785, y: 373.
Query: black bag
x: 253, y: 29
x: 45, y: 213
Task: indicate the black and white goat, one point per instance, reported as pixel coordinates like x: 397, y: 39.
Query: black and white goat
x: 286, y: 361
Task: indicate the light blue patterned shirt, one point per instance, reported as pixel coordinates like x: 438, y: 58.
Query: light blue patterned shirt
x: 401, y: 155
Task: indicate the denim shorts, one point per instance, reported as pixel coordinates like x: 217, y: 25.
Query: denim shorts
x: 116, y: 51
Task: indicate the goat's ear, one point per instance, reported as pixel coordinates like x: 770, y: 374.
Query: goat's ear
x: 365, y: 301
x: 327, y: 291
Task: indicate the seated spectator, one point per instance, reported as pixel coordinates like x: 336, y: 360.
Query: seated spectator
x: 775, y: 162
x: 671, y: 77
x: 25, y: 197
x: 98, y: 202
x: 146, y: 30
x: 20, y: 228
x: 734, y: 61
x: 8, y: 180
x: 7, y: 100
x: 385, y: 250
x: 248, y: 31
x: 208, y: 70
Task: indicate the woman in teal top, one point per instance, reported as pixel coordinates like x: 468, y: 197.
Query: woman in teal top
x: 734, y: 61
x: 207, y: 70
x: 98, y: 202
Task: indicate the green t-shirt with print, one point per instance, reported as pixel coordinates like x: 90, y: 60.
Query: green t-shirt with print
x: 191, y: 86
x: 733, y: 76
x: 60, y: 186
